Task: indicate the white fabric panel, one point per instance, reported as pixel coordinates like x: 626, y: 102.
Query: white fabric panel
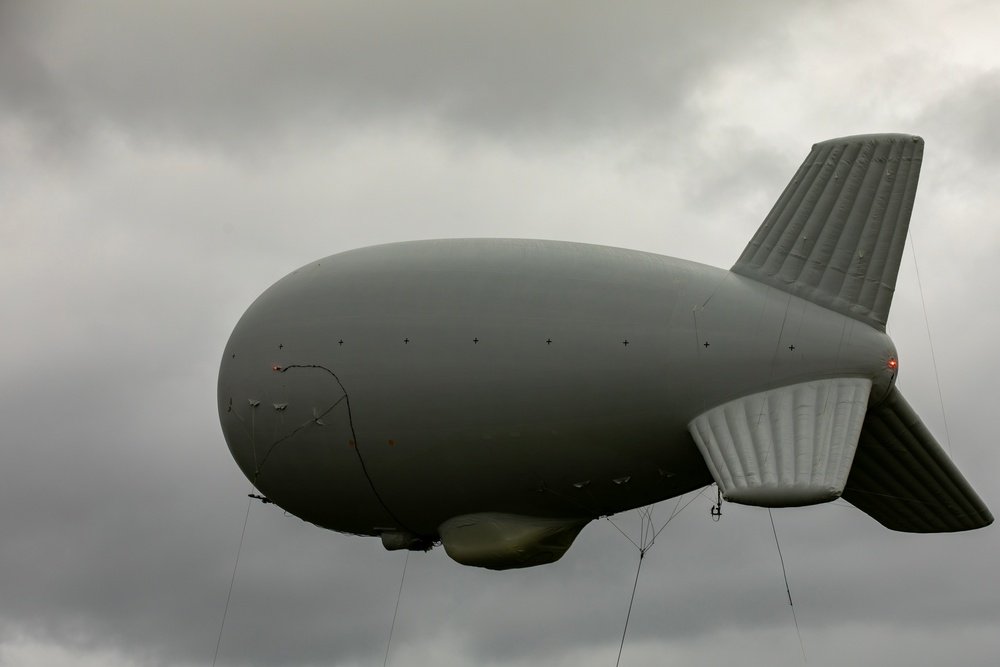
x: 785, y: 447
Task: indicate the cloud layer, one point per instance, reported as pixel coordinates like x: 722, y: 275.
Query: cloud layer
x: 161, y: 164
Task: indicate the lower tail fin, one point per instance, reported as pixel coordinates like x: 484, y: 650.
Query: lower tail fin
x: 903, y: 479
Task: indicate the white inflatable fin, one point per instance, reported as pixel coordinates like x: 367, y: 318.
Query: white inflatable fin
x: 785, y: 447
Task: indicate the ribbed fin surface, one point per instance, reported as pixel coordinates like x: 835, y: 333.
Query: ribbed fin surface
x: 784, y: 447
x: 904, y: 480
x: 836, y: 234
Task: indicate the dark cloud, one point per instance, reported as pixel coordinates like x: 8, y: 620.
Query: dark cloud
x: 964, y: 119
x: 228, y: 72
x: 162, y: 164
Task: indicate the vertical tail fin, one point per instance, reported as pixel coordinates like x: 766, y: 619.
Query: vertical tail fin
x: 836, y: 234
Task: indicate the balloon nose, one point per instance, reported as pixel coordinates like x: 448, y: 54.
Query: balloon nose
x: 289, y: 429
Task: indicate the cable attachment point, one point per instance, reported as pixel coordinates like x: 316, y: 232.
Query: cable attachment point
x: 717, y: 507
x: 260, y: 498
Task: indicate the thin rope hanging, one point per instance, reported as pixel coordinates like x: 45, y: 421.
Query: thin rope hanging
x: 647, y: 538
x: 930, y: 342
x: 399, y: 594
x: 628, y: 614
x: 232, y: 580
x: 787, y: 588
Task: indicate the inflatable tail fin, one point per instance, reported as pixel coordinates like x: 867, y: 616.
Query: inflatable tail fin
x: 904, y: 480
x: 836, y: 234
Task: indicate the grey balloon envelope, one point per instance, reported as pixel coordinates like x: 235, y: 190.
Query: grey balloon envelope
x: 498, y: 394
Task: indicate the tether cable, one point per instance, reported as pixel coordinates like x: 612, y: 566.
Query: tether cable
x: 787, y: 588
x: 232, y: 579
x: 395, y: 611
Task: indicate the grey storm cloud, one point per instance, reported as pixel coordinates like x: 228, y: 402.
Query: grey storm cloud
x: 228, y: 71
x: 161, y: 164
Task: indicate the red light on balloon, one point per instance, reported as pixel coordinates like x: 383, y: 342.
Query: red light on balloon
x: 892, y: 362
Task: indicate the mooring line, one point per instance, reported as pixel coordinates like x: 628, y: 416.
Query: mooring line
x: 232, y: 579
x: 395, y: 611
x: 787, y: 588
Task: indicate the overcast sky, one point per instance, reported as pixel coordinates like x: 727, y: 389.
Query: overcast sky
x: 162, y: 163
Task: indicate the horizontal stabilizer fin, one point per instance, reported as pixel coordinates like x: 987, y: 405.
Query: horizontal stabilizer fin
x: 904, y: 480
x: 836, y: 234
x: 784, y: 447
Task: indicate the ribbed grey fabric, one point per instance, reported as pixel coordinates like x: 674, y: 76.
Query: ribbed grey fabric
x: 836, y: 234
x: 904, y: 480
